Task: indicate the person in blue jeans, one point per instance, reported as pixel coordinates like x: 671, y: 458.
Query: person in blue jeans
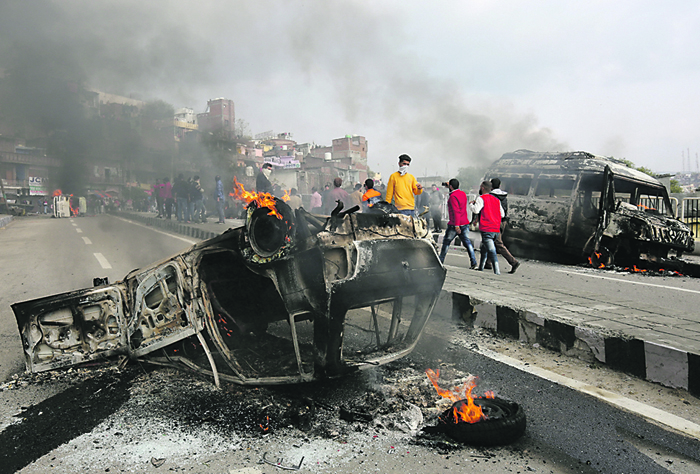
x: 490, y: 213
x: 458, y: 223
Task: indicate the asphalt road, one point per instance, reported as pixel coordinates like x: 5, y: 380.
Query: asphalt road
x: 128, y: 422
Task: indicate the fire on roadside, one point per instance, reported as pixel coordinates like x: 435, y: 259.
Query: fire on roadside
x: 468, y: 411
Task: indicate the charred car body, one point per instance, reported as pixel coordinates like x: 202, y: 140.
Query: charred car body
x: 289, y: 297
x: 584, y: 205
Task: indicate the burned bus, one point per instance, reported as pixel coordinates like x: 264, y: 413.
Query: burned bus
x: 576, y: 204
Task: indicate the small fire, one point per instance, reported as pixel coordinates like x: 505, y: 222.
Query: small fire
x: 467, y: 411
x: 598, y: 256
x: 261, y: 199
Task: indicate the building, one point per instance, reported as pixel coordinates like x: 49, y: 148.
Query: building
x: 220, y: 117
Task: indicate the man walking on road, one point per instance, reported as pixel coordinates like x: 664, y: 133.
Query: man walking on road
x: 500, y: 247
x: 402, y: 188
x: 458, y: 223
x: 490, y: 213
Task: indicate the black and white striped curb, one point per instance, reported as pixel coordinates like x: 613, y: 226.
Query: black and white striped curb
x: 655, y: 362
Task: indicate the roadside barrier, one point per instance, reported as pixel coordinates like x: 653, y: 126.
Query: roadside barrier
x: 690, y: 214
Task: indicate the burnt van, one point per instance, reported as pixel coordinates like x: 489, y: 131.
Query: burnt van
x: 580, y: 205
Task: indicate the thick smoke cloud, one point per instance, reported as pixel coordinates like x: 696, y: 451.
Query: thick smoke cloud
x: 316, y: 69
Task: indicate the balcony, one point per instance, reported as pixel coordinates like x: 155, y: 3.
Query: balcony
x: 37, y: 160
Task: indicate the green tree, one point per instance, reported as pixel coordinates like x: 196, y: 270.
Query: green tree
x: 675, y: 186
x: 643, y: 169
x: 470, y: 177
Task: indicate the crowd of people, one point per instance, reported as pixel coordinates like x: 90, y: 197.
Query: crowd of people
x: 408, y: 197
x: 187, y: 200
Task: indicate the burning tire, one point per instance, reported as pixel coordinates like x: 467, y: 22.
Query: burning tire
x: 503, y: 423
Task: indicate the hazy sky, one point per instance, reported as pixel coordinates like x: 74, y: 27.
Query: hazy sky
x: 452, y: 83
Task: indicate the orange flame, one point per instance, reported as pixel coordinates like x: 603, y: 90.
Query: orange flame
x: 261, y: 199
x: 598, y: 255
x: 468, y: 411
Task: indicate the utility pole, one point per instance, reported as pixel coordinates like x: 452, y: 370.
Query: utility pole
x: 682, y: 161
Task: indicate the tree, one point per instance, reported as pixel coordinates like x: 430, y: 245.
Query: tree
x: 242, y: 129
x: 643, y: 169
x: 675, y: 186
x: 469, y: 178
x: 157, y: 110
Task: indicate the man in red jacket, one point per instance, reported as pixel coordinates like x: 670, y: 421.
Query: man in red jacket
x: 458, y: 223
x: 490, y: 214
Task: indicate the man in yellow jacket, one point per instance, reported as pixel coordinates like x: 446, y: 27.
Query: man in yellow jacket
x: 402, y: 188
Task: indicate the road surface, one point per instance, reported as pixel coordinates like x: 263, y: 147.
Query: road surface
x: 153, y: 420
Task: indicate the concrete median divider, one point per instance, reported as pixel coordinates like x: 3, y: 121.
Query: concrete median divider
x: 647, y: 359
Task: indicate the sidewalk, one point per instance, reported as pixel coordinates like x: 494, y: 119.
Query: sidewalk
x: 577, y: 324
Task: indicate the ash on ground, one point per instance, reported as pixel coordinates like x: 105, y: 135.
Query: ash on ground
x: 179, y: 417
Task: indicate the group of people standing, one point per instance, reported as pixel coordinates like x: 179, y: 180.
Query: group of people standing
x: 186, y: 198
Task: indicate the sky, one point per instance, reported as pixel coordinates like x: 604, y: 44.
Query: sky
x: 451, y: 83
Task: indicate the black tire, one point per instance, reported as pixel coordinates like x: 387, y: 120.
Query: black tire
x: 504, y: 424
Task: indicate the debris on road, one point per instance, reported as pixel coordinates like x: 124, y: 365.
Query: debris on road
x: 289, y: 297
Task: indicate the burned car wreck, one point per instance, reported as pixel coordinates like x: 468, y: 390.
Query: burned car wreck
x: 289, y: 297
x: 586, y: 206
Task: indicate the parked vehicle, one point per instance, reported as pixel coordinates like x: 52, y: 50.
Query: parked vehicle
x: 582, y: 205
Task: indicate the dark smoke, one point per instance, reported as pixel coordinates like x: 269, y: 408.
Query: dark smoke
x: 282, y: 60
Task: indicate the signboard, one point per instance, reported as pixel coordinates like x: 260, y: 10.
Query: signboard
x: 37, y: 186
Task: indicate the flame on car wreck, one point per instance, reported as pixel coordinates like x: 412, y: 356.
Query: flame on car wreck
x: 289, y: 297
x: 587, y: 206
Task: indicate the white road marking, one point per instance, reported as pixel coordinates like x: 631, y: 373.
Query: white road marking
x: 103, y: 261
x: 156, y: 230
x: 645, y: 411
x: 74, y: 224
x: 87, y: 241
x: 80, y: 231
x: 630, y: 282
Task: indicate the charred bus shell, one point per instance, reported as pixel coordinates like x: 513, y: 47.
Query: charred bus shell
x: 582, y: 205
x: 289, y: 297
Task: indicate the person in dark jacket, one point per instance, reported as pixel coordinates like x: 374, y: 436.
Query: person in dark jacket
x: 436, y: 206
x: 500, y: 247
x: 262, y: 182
x: 181, y: 193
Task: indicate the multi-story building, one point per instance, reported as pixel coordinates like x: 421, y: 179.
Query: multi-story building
x: 220, y: 117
